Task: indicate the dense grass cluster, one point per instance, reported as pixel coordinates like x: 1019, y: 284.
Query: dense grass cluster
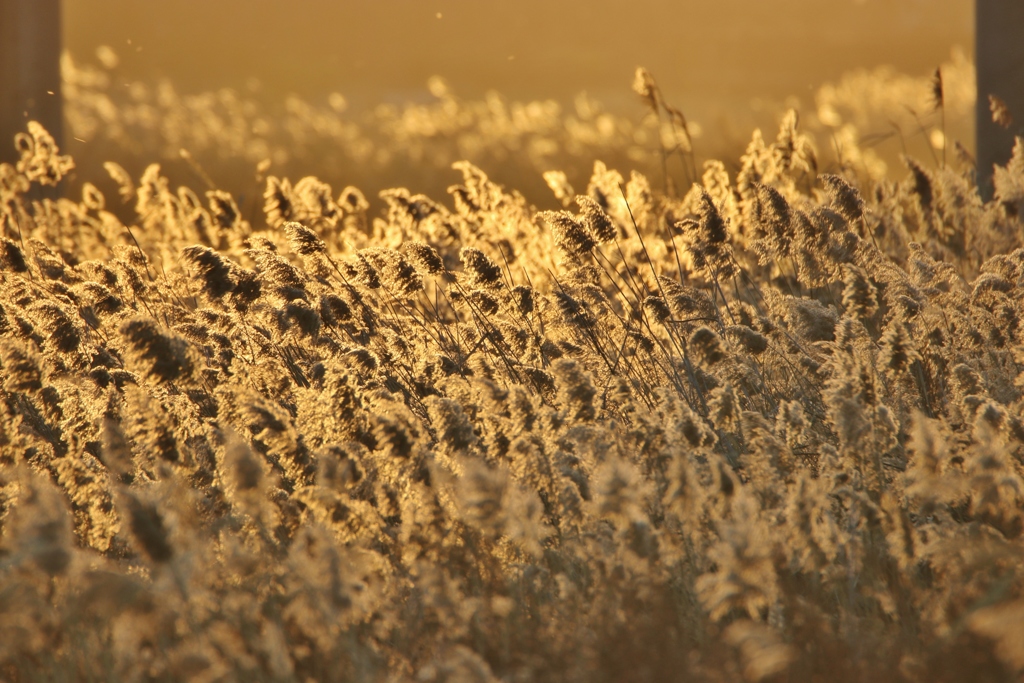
x: 768, y: 429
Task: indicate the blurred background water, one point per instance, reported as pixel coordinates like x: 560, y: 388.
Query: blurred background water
x: 730, y: 65
x: 711, y: 58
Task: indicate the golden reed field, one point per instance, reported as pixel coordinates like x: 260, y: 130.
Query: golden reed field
x: 754, y: 419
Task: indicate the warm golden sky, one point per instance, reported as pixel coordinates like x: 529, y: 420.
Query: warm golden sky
x: 702, y: 52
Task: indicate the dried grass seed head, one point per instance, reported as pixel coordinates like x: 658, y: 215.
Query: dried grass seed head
x: 656, y: 308
x: 12, y: 258
x: 316, y: 200
x: 712, y: 225
x: 152, y: 194
x: 92, y: 198
x: 774, y: 220
x: 574, y: 312
x: 482, y: 271
x: 279, y: 203
x: 923, y: 185
x: 38, y: 524
x: 148, y: 528
x: 352, y: 201
x: 153, y: 429
x: 155, y: 352
x: 303, y: 241
x: 40, y: 161
x: 399, y: 275
x: 860, y: 296
x: 522, y: 298
x: 724, y: 407
x: 706, y: 346
x: 334, y: 309
x: 811, y: 320
x: 213, y: 269
x: 938, y: 94
x: 569, y: 234
x: 645, y: 86
x: 242, y: 471
x: 576, y: 390
x: 425, y: 257
x: 247, y: 289
x: 61, y: 331
x: 844, y: 197
x: 559, y: 184
x: 362, y: 271
x: 21, y: 369
x: 749, y: 340
x: 484, y: 302
x: 897, y: 352
x: 1001, y: 114
x: 597, y: 221
x: 223, y: 210
x: 299, y: 314
x: 708, y: 238
x: 125, y: 184
x: 454, y: 428
x: 341, y: 466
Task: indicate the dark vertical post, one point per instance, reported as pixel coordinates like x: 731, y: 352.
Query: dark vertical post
x: 999, y: 55
x: 30, y: 47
